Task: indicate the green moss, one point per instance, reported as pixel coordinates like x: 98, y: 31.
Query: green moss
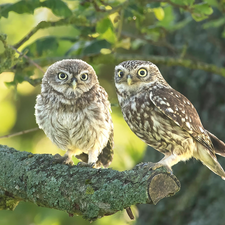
x: 89, y: 190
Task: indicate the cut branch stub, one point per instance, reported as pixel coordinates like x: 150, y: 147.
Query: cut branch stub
x: 162, y: 185
x: 92, y: 193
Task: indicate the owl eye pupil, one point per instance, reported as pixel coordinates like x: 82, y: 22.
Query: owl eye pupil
x: 84, y: 76
x: 120, y: 73
x: 62, y: 76
x: 142, y: 72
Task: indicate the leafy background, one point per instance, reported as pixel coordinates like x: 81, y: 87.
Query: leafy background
x: 186, y: 39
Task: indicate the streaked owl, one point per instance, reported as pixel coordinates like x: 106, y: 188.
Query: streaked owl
x: 74, y: 112
x: 164, y: 118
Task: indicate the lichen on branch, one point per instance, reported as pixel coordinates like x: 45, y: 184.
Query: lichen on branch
x: 92, y: 193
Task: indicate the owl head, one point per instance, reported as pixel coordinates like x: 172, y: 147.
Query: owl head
x: 70, y: 78
x: 133, y: 75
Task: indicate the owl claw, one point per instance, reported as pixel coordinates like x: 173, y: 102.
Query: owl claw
x: 154, y: 166
x: 158, y: 165
x: 84, y: 164
x: 63, y: 159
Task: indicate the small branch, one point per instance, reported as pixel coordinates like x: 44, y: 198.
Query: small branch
x: 74, y: 20
x: 170, y: 61
x: 19, y: 133
x: 92, y: 193
x: 26, y: 57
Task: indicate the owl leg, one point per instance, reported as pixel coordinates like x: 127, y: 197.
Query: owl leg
x: 92, y: 159
x: 67, y: 158
x: 63, y: 159
x: 168, y: 161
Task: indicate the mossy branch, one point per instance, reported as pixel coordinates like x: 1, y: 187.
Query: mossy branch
x: 92, y: 193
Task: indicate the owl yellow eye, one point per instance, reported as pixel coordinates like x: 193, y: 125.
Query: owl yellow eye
x: 62, y: 76
x: 142, y: 72
x: 120, y: 73
x: 84, y: 76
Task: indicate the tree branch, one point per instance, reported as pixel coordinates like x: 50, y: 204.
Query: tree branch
x: 172, y: 61
x: 92, y: 193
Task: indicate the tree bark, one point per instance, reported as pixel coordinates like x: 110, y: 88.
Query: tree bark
x: 92, y: 193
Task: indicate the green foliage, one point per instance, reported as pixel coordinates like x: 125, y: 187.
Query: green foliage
x: 59, y: 8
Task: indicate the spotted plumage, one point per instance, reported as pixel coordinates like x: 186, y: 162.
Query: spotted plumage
x: 164, y: 118
x: 74, y: 112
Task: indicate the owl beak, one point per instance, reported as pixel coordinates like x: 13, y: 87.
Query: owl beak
x: 74, y: 84
x: 129, y: 80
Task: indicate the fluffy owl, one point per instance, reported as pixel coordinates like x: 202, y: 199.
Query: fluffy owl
x: 163, y: 118
x: 74, y: 112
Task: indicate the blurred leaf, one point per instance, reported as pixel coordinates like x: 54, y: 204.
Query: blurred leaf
x: 105, y: 51
x: 42, y: 47
x: 19, y: 7
x: 109, y: 36
x: 214, y: 23
x: 59, y: 8
x: 168, y: 19
x: 106, y: 30
x: 76, y: 48
x: 213, y: 3
x: 95, y: 46
x: 159, y: 13
x: 181, y: 24
x: 124, y: 43
x: 137, y: 43
x: 201, y: 11
x: 178, y: 2
x: 104, y: 25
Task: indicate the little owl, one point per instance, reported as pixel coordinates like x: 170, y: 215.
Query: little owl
x: 163, y: 118
x: 74, y: 112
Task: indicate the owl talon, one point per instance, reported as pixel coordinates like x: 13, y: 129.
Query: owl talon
x: 84, y: 164
x: 63, y: 159
x: 158, y: 165
x: 154, y: 166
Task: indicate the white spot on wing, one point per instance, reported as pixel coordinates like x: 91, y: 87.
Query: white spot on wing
x: 169, y: 110
x: 201, y: 130
x: 188, y: 125
x: 162, y: 102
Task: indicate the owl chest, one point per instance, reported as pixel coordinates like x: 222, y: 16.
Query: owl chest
x: 69, y: 127
x: 152, y: 126
x: 138, y: 114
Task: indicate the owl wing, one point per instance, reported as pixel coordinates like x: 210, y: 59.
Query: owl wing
x: 105, y: 157
x: 179, y: 109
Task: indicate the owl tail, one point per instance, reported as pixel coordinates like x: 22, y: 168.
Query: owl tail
x: 219, y: 146
x: 209, y: 160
